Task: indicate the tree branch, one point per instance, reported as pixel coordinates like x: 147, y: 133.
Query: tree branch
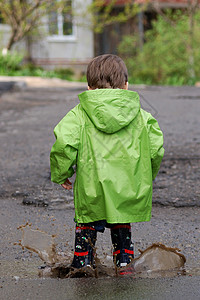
x: 160, y: 12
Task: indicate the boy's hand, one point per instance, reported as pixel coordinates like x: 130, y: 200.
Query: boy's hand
x: 67, y: 185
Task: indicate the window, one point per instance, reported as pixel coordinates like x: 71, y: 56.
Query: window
x: 61, y: 22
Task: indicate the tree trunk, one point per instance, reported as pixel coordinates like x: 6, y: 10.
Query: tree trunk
x: 11, y: 40
x: 28, y: 43
x: 191, y: 61
x: 141, y: 29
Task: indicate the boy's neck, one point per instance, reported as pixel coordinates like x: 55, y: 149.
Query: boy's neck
x: 125, y: 87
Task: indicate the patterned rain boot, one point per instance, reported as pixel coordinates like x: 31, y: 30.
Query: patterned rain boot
x: 123, y: 247
x: 85, y: 238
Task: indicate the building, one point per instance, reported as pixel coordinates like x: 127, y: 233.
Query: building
x: 69, y: 41
x: 108, y: 40
x: 63, y: 41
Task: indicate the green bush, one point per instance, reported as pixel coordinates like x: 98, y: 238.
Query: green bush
x: 10, y: 63
x: 64, y: 73
x: 164, y: 58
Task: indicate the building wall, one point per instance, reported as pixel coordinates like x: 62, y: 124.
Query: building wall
x: 162, y: 3
x: 4, y: 35
x: 5, y: 32
x: 66, y: 51
x: 74, y: 51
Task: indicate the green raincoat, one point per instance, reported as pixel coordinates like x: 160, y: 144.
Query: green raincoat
x: 117, y: 148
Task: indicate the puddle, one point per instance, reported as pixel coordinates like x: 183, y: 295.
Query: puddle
x: 155, y: 261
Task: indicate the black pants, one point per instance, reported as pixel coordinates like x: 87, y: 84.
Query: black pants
x: 85, y: 239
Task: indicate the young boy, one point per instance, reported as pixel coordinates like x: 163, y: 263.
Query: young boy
x: 117, y: 148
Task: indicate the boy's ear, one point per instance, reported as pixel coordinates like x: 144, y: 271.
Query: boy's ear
x: 89, y: 88
x: 126, y: 86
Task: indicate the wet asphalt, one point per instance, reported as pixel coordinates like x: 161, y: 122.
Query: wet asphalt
x: 96, y: 289
x: 27, y: 119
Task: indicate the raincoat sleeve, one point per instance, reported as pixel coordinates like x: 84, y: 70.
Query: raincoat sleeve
x: 156, y: 145
x: 64, y: 151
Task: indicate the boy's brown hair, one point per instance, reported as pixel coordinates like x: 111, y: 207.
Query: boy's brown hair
x: 107, y: 71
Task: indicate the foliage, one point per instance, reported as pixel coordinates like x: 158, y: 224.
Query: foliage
x: 103, y: 12
x: 25, y: 17
x: 11, y: 65
x: 164, y: 58
x: 64, y: 73
x: 10, y: 62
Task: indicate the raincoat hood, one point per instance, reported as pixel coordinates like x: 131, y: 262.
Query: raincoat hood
x: 110, y: 109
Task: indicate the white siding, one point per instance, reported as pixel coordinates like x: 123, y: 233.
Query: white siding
x: 55, y: 51
x: 68, y: 50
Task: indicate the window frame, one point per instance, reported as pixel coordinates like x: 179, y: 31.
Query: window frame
x: 60, y: 37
